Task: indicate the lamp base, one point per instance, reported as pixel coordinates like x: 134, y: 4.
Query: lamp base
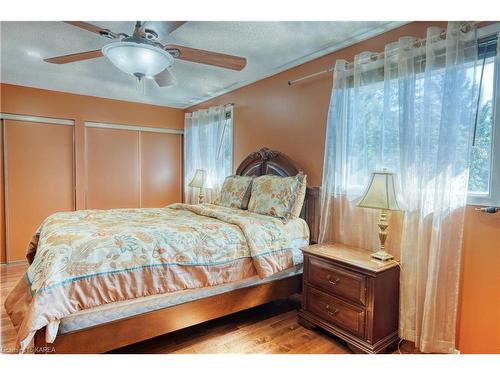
x: 382, y: 235
x: 382, y: 255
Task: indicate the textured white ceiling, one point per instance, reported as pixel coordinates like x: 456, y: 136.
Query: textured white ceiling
x: 270, y: 47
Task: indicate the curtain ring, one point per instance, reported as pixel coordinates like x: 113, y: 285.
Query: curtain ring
x: 465, y: 27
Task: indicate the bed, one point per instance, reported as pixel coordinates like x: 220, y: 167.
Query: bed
x: 85, y: 312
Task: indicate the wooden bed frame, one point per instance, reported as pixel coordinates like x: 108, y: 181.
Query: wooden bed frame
x: 118, y: 333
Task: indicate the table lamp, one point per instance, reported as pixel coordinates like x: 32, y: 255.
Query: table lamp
x: 381, y: 194
x: 198, y: 181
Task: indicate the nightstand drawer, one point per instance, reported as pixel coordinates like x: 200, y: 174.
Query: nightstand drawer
x: 336, y: 280
x: 335, y: 311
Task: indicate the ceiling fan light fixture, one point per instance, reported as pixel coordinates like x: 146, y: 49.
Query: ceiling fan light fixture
x: 138, y: 58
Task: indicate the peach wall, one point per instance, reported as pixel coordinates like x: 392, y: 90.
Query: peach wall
x: 293, y: 120
x: 479, y: 318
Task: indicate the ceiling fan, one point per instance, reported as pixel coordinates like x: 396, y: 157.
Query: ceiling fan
x: 141, y: 55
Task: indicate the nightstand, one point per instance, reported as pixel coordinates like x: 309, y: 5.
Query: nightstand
x: 351, y: 295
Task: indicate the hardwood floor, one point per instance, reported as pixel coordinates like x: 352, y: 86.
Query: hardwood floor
x: 271, y: 328
x: 9, y: 276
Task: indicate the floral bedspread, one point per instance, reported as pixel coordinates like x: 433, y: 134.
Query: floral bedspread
x: 88, y: 258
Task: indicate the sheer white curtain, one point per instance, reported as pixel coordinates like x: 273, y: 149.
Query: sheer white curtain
x: 208, y: 145
x: 413, y: 113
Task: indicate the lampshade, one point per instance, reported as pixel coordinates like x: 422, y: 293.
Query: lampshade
x: 381, y: 192
x: 138, y: 59
x: 198, y: 180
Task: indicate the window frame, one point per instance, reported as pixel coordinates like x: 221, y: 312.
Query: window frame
x: 493, y: 198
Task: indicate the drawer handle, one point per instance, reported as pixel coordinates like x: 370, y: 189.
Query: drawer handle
x: 333, y: 282
x: 330, y: 311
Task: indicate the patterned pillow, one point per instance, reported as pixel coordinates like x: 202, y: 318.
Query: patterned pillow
x: 299, y: 196
x: 276, y: 196
x: 235, y: 192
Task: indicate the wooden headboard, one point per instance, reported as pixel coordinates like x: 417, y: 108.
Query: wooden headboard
x: 266, y: 161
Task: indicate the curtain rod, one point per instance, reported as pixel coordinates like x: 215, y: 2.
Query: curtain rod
x: 465, y: 27
x: 220, y: 105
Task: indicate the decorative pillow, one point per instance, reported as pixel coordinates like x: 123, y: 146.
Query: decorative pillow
x: 299, y: 196
x: 235, y: 192
x: 276, y: 196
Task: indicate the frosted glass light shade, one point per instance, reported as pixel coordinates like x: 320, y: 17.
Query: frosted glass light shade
x: 198, y: 180
x: 137, y: 58
x: 381, y: 192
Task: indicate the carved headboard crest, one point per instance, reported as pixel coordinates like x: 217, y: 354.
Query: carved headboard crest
x: 265, y: 154
x: 266, y: 161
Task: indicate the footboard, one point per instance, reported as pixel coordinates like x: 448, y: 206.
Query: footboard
x: 116, y: 334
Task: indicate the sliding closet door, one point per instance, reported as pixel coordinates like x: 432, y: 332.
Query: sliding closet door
x: 112, y: 168
x: 161, y: 169
x: 38, y: 163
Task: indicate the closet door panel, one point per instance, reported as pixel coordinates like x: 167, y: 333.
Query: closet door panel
x: 112, y: 168
x: 161, y: 169
x: 38, y: 179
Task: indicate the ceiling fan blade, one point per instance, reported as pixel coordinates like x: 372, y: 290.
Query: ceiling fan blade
x: 94, y: 29
x: 163, y: 28
x: 165, y: 78
x: 207, y: 57
x: 74, y: 57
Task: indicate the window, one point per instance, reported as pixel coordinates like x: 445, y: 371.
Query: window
x: 484, y: 172
x: 208, y: 145
x: 484, y: 184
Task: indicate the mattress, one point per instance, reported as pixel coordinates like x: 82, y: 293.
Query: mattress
x: 120, y: 310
